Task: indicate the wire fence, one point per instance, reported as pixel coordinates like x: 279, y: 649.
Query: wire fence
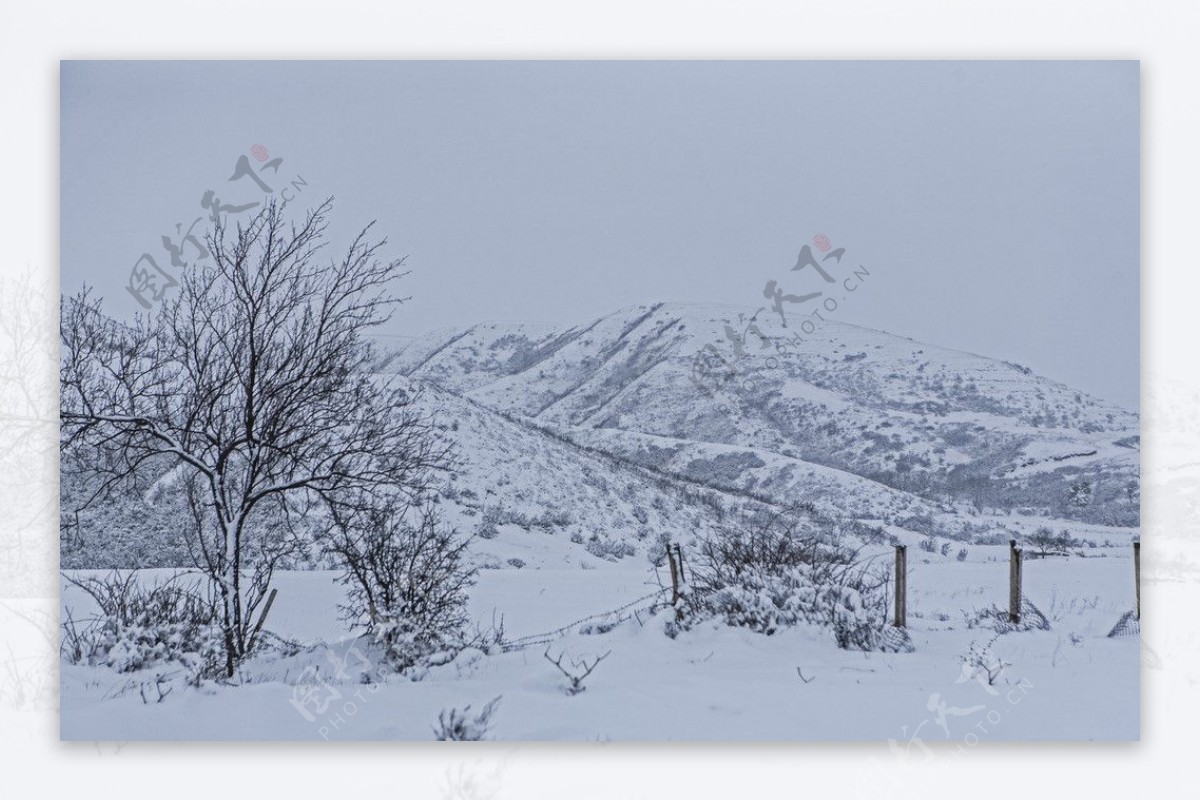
x: 615, y: 616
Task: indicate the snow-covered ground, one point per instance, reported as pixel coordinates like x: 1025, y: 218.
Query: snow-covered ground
x: 709, y: 683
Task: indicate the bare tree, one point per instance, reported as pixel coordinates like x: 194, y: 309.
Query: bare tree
x: 254, y: 384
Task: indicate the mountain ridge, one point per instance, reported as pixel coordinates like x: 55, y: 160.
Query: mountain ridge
x: 928, y: 420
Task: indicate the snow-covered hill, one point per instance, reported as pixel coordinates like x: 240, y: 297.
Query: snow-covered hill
x: 879, y: 424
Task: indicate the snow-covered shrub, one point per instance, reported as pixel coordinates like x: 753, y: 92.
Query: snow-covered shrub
x: 871, y: 534
x: 553, y: 517
x: 723, y: 469
x: 922, y: 524
x: 121, y: 532
x: 962, y: 554
x: 408, y: 578
x: 850, y: 608
x: 1079, y: 493
x: 489, y: 525
x: 141, y: 627
x: 928, y: 544
x: 764, y: 573
x: 997, y: 619
x: 407, y: 644
x: 656, y: 552
x: 454, y: 724
x: 612, y: 550
x: 1047, y: 543
x: 757, y: 603
x: 979, y: 661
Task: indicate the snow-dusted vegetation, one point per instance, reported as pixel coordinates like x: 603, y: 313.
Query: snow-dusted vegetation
x: 274, y: 529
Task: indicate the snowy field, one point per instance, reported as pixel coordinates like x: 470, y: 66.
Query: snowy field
x: 710, y: 683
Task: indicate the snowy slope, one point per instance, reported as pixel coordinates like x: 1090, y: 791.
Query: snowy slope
x: 531, y: 483
x: 761, y: 472
x: 944, y: 425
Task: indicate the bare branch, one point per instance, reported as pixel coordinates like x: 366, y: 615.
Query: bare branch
x: 575, y: 678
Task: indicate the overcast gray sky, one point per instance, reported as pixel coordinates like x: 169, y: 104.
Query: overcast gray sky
x: 994, y: 203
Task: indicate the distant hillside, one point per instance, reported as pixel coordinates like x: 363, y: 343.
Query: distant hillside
x: 943, y: 427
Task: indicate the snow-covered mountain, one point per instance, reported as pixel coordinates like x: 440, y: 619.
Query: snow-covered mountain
x: 863, y: 422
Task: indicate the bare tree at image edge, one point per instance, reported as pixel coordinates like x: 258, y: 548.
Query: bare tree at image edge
x: 253, y: 383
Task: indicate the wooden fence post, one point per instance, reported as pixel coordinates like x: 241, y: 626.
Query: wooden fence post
x: 1014, y: 584
x: 679, y: 555
x: 901, y: 620
x: 262, y: 619
x: 674, y: 576
x: 1137, y: 575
